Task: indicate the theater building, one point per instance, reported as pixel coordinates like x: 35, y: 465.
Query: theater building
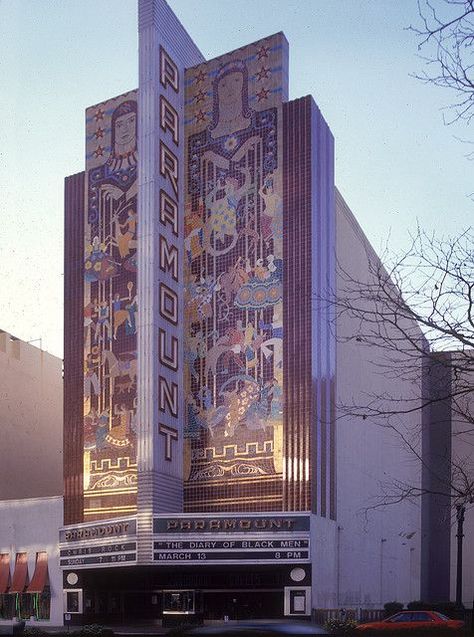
x: 204, y: 458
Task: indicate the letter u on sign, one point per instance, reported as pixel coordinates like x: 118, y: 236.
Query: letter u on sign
x: 168, y: 350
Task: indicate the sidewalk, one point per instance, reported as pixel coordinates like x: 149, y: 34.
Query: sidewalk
x: 151, y: 629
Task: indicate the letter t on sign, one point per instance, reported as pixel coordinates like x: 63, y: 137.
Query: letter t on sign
x: 170, y: 434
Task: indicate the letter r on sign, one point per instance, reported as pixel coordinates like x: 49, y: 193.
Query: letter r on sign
x: 169, y: 119
x: 169, y: 166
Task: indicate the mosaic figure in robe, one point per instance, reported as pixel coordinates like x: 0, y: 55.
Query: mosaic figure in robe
x: 112, y: 226
x: 231, y: 114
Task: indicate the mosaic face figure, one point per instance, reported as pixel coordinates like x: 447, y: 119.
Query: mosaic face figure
x: 231, y: 112
x: 124, y: 128
x: 229, y: 90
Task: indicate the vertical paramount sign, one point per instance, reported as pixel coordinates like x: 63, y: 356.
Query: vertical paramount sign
x: 169, y: 258
x: 165, y: 50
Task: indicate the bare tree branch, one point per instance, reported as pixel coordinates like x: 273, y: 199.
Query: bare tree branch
x: 416, y: 316
x: 446, y: 37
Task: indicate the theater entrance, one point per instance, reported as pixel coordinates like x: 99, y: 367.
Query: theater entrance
x: 217, y: 604
x: 129, y: 595
x: 243, y: 604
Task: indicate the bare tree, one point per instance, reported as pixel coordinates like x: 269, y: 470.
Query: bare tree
x: 446, y: 40
x: 429, y: 286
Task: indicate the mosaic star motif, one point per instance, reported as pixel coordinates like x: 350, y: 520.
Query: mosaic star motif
x: 263, y: 73
x: 200, y: 116
x: 263, y: 94
x: 263, y: 52
x: 200, y: 96
x: 200, y: 77
x: 99, y: 114
x: 99, y: 133
x: 99, y: 151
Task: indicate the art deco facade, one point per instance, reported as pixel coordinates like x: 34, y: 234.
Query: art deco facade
x: 200, y: 360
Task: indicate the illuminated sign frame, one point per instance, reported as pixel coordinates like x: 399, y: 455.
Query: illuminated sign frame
x: 282, y: 539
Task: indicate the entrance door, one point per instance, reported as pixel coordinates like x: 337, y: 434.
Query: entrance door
x: 243, y: 604
x: 103, y: 606
x: 179, y: 602
x: 143, y: 606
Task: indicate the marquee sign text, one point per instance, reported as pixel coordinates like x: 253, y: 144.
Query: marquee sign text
x: 98, y: 531
x: 230, y: 524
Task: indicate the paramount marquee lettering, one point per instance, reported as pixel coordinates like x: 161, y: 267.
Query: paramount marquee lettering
x: 230, y: 524
x: 106, y: 530
x: 168, y: 252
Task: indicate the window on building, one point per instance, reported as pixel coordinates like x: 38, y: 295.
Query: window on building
x: 39, y: 590
x: 7, y: 606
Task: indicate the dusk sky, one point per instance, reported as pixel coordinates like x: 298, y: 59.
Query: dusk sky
x: 396, y: 162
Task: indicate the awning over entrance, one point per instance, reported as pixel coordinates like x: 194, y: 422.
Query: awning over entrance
x: 40, y: 577
x: 20, y: 575
x: 5, y: 579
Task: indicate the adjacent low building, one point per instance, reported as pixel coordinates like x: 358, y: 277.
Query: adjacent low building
x: 447, y: 478
x: 31, y: 485
x: 31, y: 585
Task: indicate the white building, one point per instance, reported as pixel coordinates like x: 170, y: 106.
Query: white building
x: 31, y: 502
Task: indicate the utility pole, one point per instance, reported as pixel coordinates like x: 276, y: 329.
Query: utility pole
x: 382, y: 544
x: 460, y: 511
x: 338, y: 566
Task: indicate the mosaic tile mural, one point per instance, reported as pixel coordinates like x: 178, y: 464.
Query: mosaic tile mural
x: 234, y: 280
x: 110, y: 309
